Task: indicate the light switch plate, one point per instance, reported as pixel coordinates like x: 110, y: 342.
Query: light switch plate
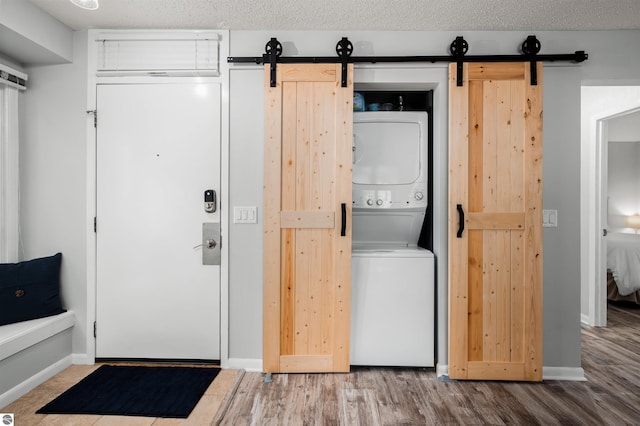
x: 245, y: 214
x: 550, y: 218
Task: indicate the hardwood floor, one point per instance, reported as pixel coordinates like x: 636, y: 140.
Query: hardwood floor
x: 397, y: 396
x: 400, y: 396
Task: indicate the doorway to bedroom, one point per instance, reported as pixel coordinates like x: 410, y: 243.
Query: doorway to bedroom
x: 610, y: 202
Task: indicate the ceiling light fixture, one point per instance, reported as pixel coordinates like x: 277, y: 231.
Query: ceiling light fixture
x: 86, y: 4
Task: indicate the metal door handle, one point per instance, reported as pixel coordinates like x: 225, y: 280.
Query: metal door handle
x: 461, y: 218
x: 343, y: 228
x: 211, y: 242
x: 353, y: 150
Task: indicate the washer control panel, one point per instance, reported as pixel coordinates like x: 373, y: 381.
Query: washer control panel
x: 390, y: 198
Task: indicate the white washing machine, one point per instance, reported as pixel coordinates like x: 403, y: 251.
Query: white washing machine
x: 392, y: 321
x: 392, y: 281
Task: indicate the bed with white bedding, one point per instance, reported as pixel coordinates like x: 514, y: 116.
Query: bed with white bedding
x: 623, y: 267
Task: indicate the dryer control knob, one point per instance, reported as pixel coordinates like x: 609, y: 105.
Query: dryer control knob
x: 369, y: 202
x: 419, y: 195
x: 379, y: 201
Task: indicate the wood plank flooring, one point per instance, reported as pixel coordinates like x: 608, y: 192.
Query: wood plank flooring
x: 399, y: 396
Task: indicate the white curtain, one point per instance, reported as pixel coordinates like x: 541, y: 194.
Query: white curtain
x: 9, y: 174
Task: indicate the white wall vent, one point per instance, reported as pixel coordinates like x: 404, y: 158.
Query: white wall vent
x: 158, y: 54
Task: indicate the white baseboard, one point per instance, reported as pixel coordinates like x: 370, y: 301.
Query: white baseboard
x: 37, y: 379
x: 248, y: 364
x: 82, y: 359
x: 442, y: 370
x: 573, y: 374
x: 569, y: 374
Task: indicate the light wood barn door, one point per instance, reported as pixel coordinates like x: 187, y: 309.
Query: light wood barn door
x: 495, y: 263
x: 307, y: 219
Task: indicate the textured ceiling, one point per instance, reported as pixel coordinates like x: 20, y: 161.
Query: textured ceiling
x: 453, y: 15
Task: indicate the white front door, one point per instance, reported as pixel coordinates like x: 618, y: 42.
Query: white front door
x: 158, y: 151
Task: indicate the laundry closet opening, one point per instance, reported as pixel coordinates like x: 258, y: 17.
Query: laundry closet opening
x: 393, y: 266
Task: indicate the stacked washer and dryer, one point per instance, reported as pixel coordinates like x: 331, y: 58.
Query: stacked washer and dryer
x: 392, y: 285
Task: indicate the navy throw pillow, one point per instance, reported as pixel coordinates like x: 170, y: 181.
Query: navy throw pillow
x: 30, y: 289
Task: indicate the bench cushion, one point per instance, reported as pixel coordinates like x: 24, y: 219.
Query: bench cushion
x: 30, y: 289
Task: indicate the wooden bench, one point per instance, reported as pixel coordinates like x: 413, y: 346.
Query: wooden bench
x: 32, y: 352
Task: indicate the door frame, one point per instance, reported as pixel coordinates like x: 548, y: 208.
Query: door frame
x: 593, y: 262
x: 91, y: 194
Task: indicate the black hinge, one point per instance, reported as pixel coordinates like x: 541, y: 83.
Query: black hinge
x: 95, y: 224
x: 95, y: 117
x: 95, y: 329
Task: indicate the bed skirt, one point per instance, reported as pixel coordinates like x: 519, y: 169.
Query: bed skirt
x: 612, y: 292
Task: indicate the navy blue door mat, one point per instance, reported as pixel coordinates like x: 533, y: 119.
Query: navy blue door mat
x: 170, y: 392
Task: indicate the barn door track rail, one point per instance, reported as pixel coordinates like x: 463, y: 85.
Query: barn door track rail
x: 459, y: 48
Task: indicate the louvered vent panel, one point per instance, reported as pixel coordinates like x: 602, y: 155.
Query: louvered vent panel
x: 158, y: 56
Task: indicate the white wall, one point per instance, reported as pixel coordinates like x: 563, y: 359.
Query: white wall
x: 53, y: 175
x: 625, y: 128
x: 245, y: 240
x: 4, y: 60
x: 623, y: 184
x: 29, y: 35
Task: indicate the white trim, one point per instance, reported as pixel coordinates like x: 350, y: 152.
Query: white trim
x: 248, y: 364
x: 82, y: 359
x: 32, y: 382
x: 569, y: 374
x: 574, y: 374
x: 224, y: 199
x: 156, y: 74
x: 90, y: 341
x: 584, y: 319
x: 591, y: 220
x: 21, y: 335
x: 14, y: 72
x: 158, y: 35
